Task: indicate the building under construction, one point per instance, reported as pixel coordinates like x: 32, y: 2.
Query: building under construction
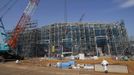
x: 73, y: 38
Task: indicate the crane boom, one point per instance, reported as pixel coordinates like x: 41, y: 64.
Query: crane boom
x: 81, y: 18
x: 25, y: 18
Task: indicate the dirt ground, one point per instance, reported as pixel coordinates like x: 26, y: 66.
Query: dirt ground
x: 40, y: 67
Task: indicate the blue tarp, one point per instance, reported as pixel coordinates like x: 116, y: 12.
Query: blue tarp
x: 66, y: 64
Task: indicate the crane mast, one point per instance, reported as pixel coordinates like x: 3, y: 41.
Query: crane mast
x: 21, y: 25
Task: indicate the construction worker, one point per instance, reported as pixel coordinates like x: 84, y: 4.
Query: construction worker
x: 17, y: 61
x: 105, y: 64
x: 62, y: 56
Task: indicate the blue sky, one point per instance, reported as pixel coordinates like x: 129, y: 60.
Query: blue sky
x: 52, y: 11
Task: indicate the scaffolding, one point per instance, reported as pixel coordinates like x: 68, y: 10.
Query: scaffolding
x: 73, y: 38
x: 28, y: 41
x: 131, y: 45
x: 89, y: 38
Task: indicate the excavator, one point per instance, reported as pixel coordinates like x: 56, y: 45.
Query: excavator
x: 8, y: 42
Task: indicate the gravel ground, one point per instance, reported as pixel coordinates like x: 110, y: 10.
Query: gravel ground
x: 10, y: 68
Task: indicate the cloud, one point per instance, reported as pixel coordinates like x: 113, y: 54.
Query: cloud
x: 125, y: 3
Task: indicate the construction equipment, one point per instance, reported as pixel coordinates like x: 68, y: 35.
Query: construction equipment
x: 81, y: 18
x: 7, y: 46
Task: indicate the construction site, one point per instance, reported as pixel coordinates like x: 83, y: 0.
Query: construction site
x: 92, y: 39
x: 64, y: 48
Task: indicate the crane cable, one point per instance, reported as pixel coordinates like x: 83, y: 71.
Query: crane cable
x: 4, y: 6
x: 81, y: 18
x: 2, y: 26
x: 8, y: 5
x: 4, y: 11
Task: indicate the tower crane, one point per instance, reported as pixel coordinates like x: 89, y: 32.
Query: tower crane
x: 7, y: 46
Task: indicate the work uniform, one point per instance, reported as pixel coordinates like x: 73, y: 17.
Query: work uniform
x: 105, y: 65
